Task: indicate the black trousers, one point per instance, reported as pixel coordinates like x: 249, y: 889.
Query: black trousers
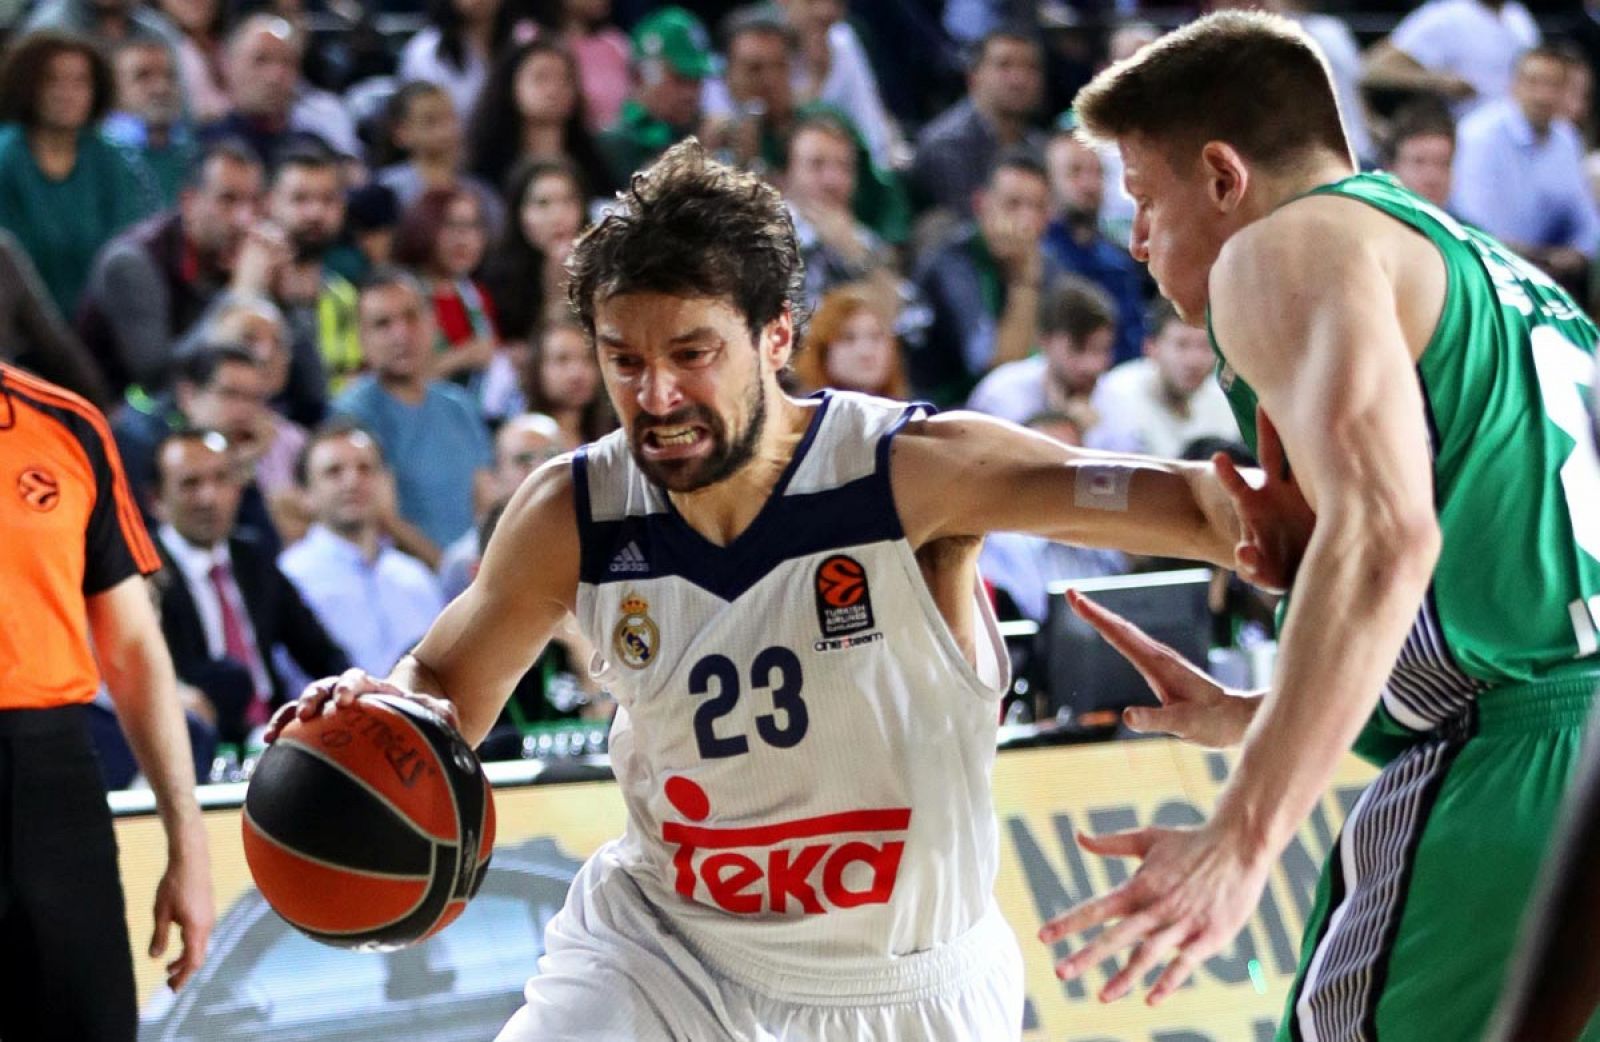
x: 66, y: 967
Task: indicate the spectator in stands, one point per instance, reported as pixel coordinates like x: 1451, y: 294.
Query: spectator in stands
x: 983, y: 283
x: 430, y: 429
x: 819, y: 183
x: 104, y: 21
x: 1023, y: 566
x: 850, y: 346
x: 526, y: 274
x: 217, y: 387
x: 257, y: 324
x: 1422, y: 149
x: 201, y: 25
x: 521, y: 445
x: 430, y: 150
x: 270, y: 107
x: 671, y: 56
x: 956, y: 151
x: 372, y: 598
x: 1074, y: 240
x: 1167, y: 399
x: 602, y: 53
x: 148, y: 118
x: 64, y: 189
x: 531, y: 108
x: 752, y: 116
x: 834, y: 70
x: 1519, y: 172
x: 371, y: 215
x: 225, y: 606
x: 1462, y: 50
x: 443, y: 239
x: 563, y: 382
x: 32, y: 334
x: 154, y: 281
x: 457, y: 47
x: 1077, y: 331
x: 306, y: 203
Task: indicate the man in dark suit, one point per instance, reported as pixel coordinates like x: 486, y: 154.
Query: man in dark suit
x: 224, y: 604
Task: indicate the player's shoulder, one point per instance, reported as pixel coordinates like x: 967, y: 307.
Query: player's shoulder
x: 66, y: 417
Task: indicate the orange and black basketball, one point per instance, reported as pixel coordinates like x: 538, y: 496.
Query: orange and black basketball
x: 370, y: 827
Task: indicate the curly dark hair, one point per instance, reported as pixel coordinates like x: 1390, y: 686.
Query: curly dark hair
x: 23, y: 73
x: 691, y: 226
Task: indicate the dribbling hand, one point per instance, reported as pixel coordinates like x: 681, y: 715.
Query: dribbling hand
x: 330, y: 694
x: 1193, y: 706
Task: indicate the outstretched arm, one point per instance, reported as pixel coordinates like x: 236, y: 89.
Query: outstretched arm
x: 961, y: 474
x: 1332, y: 364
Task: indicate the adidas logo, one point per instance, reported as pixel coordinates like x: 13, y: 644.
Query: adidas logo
x: 629, y: 560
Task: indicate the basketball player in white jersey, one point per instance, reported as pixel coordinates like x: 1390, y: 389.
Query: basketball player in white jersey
x: 785, y: 596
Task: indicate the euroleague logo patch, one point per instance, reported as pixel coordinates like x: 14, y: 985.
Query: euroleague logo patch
x: 39, y: 489
x: 844, y: 603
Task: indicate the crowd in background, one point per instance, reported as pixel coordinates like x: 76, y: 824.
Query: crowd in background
x: 310, y: 259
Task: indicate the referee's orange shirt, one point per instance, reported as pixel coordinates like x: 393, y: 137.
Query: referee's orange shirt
x: 69, y: 529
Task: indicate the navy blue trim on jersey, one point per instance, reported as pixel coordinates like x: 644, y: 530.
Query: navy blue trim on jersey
x: 912, y: 411
x: 788, y: 526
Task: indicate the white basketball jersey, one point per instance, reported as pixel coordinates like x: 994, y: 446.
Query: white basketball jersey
x: 804, y: 751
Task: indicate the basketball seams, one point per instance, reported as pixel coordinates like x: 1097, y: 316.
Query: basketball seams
x: 311, y: 750
x: 268, y: 837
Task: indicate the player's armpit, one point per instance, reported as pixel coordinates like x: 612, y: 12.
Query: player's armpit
x: 962, y: 474
x: 487, y: 638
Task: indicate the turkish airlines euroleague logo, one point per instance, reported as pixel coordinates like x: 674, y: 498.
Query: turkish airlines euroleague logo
x: 805, y: 866
x: 39, y: 489
x: 844, y: 604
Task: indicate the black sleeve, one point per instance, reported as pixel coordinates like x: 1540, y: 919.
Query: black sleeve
x: 116, y: 544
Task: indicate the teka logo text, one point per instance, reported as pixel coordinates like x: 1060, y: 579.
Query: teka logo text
x: 808, y: 866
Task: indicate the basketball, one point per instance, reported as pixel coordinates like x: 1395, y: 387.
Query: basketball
x: 369, y: 828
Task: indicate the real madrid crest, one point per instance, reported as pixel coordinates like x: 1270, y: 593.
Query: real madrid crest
x: 636, y: 638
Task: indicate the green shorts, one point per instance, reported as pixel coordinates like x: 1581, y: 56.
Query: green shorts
x: 1420, y: 904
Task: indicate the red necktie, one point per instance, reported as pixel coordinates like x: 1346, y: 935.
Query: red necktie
x: 237, y: 643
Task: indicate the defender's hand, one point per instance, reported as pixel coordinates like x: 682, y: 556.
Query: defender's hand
x: 1193, y: 893
x: 1193, y: 706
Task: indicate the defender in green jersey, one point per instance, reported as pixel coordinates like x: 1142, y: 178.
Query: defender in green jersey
x: 1429, y: 387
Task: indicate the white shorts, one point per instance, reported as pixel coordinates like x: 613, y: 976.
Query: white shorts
x: 614, y: 970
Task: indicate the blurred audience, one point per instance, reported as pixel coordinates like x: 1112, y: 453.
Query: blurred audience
x: 270, y: 107
x: 201, y: 25
x: 833, y: 69
x: 956, y: 151
x: 443, y: 238
x: 430, y: 430
x: 1462, y: 50
x: 1167, y: 399
x: 147, y: 118
x: 225, y: 606
x: 983, y: 282
x: 1073, y: 238
x: 602, y: 53
x: 526, y: 273
x: 671, y: 59
x: 1519, y: 172
x: 563, y: 382
x: 428, y: 150
x: 151, y: 283
x: 819, y: 182
x: 32, y: 334
x: 373, y: 599
x: 457, y: 47
x: 64, y: 189
x: 849, y: 346
x: 1422, y: 150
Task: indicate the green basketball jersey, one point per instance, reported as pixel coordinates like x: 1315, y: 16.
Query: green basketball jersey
x: 1506, y: 379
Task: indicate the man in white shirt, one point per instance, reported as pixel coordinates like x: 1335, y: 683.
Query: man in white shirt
x: 1463, y: 49
x: 1166, y: 399
x: 375, y: 601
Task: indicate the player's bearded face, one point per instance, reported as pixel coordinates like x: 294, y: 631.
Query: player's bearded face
x: 732, y: 443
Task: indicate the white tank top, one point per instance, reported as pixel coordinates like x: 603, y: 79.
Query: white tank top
x: 803, y: 749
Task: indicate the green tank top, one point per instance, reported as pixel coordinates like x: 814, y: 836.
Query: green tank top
x: 1506, y: 379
